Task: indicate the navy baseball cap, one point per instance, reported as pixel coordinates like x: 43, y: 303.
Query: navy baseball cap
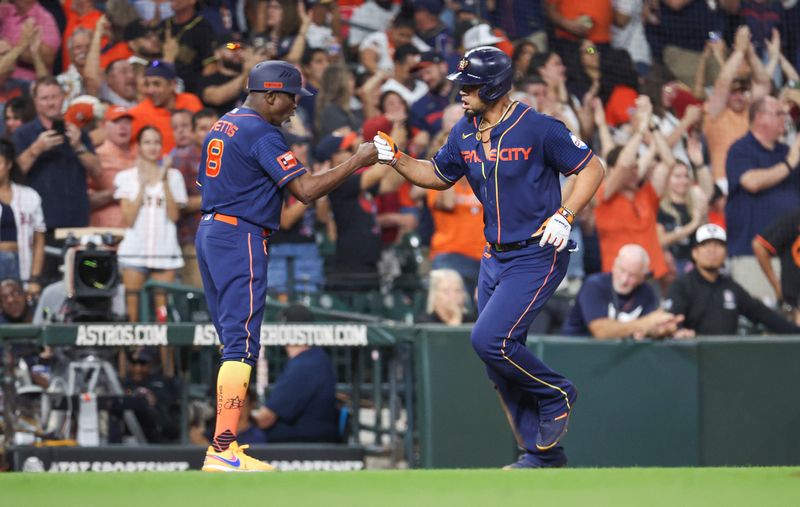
x: 157, y: 68
x: 276, y: 76
x: 427, y: 59
x: 433, y: 6
x: 330, y: 145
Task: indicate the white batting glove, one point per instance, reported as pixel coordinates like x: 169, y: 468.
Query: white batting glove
x: 557, y: 229
x: 388, y: 153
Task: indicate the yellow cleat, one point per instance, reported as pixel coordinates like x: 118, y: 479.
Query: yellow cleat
x: 233, y: 460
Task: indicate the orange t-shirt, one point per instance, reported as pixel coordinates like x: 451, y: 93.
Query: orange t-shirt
x: 600, y: 11
x: 88, y: 21
x: 145, y: 113
x: 721, y: 133
x: 621, y: 221
x: 112, y: 161
x: 459, y: 230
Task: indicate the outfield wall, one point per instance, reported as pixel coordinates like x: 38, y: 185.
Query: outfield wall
x: 703, y: 402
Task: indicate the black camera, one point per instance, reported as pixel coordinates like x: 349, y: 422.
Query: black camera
x: 91, y: 277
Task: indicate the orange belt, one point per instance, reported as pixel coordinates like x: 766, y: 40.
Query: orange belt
x: 228, y: 219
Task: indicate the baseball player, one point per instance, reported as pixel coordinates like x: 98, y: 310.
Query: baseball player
x: 512, y: 157
x: 244, y: 166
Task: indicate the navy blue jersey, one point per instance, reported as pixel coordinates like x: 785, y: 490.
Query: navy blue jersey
x: 517, y: 181
x: 245, y: 163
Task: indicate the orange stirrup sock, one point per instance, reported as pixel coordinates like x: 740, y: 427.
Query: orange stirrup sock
x: 232, y: 382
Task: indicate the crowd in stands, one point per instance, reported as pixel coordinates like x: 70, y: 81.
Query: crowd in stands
x: 692, y: 104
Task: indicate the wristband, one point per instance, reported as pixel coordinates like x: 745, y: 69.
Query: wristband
x: 397, y: 156
x: 566, y: 213
x: 788, y: 165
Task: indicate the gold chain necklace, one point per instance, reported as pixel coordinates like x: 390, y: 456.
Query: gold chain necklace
x: 481, y: 130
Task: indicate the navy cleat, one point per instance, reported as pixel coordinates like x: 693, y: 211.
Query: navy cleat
x: 551, y: 430
x: 528, y: 460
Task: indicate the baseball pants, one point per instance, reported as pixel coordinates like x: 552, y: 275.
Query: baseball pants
x: 513, y: 287
x: 232, y: 257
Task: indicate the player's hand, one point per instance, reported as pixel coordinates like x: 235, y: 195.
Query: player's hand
x: 556, y: 231
x: 388, y: 152
x: 367, y: 154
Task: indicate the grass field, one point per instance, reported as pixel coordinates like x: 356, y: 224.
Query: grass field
x: 646, y: 487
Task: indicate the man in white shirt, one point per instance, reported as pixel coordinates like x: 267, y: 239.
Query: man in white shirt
x: 403, y: 80
x: 370, y: 17
x: 376, y: 51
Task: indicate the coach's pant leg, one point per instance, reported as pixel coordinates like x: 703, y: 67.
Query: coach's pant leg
x: 238, y: 265
x: 524, y: 281
x: 209, y: 289
x: 522, y: 410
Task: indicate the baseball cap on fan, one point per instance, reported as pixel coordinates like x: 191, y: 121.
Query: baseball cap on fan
x: 480, y: 35
x: 115, y: 113
x: 709, y: 232
x: 427, y: 59
x: 330, y: 145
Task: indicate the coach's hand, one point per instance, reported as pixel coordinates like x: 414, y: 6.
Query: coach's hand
x: 388, y: 153
x: 556, y: 231
x: 367, y: 154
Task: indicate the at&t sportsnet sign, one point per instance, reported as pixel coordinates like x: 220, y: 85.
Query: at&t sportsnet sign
x: 177, y: 458
x: 321, y: 335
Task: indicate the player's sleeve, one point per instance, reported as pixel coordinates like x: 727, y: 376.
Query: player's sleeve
x: 277, y: 159
x: 177, y: 187
x: 779, y: 236
x: 563, y: 150
x: 447, y: 163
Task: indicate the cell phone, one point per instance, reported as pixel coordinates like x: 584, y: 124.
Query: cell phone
x: 58, y: 126
x: 714, y: 36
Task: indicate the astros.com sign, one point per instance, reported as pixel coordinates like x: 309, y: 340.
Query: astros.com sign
x: 321, y: 335
x: 124, y: 335
x: 121, y: 335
